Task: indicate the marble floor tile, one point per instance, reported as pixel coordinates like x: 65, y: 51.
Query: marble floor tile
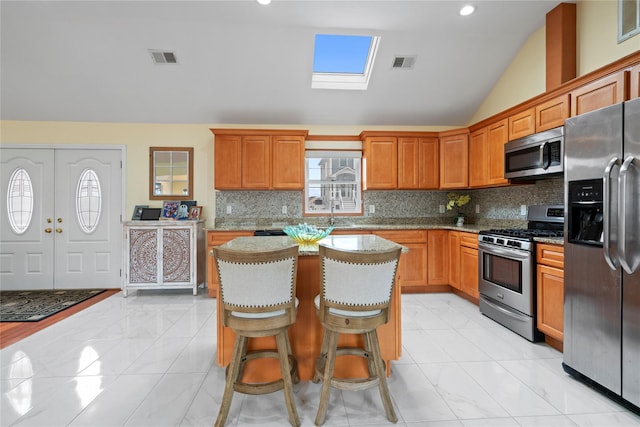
x: 149, y: 360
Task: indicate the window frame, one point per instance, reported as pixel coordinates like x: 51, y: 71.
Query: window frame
x: 622, y: 11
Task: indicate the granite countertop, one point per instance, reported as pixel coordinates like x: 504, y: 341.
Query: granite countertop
x: 355, y: 243
x: 550, y: 240
x: 471, y: 228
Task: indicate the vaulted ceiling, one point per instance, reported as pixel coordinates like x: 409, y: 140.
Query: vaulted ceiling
x: 243, y: 63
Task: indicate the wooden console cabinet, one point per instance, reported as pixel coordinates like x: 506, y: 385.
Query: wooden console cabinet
x: 164, y: 255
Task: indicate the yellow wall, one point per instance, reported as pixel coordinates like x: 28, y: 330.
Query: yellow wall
x: 596, y: 46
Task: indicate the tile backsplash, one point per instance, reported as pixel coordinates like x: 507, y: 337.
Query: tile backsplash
x: 263, y: 208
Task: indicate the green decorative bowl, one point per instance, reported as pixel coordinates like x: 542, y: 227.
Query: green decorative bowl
x: 306, y: 235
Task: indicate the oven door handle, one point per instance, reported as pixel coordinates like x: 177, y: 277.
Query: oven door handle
x: 501, y: 309
x: 511, y: 254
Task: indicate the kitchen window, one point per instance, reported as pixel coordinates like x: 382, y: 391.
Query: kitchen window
x: 333, y: 182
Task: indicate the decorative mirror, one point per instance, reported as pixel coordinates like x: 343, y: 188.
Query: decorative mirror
x: 170, y: 173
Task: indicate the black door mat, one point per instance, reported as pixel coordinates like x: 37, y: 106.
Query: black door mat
x: 33, y: 306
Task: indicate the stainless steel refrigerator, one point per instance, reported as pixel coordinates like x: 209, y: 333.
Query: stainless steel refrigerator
x: 602, y: 250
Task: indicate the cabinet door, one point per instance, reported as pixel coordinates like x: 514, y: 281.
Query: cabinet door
x: 469, y: 271
x: 381, y: 163
x: 522, y: 124
x: 550, y: 293
x: 454, y: 259
x: 601, y: 93
x: 454, y: 161
x: 437, y: 257
x: 429, y: 163
x: 552, y: 113
x: 408, y: 163
x: 177, y: 261
x: 288, y: 162
x: 256, y: 162
x: 497, y: 136
x: 227, y: 162
x: 478, y: 165
x: 634, y: 82
x: 413, y: 264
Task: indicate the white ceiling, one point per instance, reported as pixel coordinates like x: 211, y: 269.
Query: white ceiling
x: 242, y: 63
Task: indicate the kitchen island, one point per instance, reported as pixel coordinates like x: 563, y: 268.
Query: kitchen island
x: 306, y: 333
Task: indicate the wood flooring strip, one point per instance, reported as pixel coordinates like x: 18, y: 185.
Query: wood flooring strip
x: 12, y: 332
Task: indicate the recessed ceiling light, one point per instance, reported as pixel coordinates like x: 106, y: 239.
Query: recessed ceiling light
x: 467, y: 10
x: 264, y: 2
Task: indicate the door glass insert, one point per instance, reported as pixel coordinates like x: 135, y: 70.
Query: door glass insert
x: 20, y: 200
x: 88, y: 201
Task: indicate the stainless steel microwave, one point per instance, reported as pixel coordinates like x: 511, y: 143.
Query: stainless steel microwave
x: 535, y: 156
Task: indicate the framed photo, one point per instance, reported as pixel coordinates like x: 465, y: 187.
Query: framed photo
x: 170, y: 209
x: 137, y: 212
x: 195, y: 212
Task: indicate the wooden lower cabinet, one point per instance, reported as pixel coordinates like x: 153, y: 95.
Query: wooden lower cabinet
x: 550, y: 290
x: 469, y: 264
x: 216, y: 238
x: 437, y: 257
x: 413, y: 264
x: 454, y: 259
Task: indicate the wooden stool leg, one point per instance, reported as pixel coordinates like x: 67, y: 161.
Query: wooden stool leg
x: 321, y: 360
x: 332, y: 344
x: 232, y: 377
x: 382, y: 375
x: 296, y: 375
x: 281, y: 340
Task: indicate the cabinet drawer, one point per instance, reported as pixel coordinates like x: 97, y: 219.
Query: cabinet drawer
x: 403, y: 236
x: 469, y: 240
x: 551, y: 255
x: 215, y: 238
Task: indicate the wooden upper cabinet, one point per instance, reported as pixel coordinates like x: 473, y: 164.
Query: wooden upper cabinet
x: 552, y: 113
x: 478, y: 165
x: 256, y: 161
x: 288, y: 162
x: 408, y: 163
x: 381, y: 163
x: 497, y: 136
x: 418, y: 163
x: 228, y: 162
x: 634, y: 82
x: 252, y: 159
x: 606, y: 91
x: 522, y: 124
x: 454, y: 160
x: 429, y: 148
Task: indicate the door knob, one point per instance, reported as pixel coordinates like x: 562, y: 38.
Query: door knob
x: 48, y: 230
x: 58, y: 230
x: 49, y: 220
x: 60, y: 220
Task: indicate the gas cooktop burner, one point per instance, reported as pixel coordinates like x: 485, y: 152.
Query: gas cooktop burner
x: 524, y: 233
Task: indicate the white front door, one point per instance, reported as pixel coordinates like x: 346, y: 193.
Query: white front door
x: 74, y: 238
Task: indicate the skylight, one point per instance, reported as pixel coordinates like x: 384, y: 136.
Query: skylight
x: 343, y: 61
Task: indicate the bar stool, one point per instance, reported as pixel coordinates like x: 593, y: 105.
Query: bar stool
x: 355, y: 296
x: 257, y: 291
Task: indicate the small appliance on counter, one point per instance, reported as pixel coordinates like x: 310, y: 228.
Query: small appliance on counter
x: 506, y: 268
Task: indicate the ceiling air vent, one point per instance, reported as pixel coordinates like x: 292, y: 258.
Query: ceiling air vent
x: 163, y: 57
x: 404, y: 62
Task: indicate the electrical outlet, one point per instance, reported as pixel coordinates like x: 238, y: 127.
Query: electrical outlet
x: 372, y: 208
x: 441, y: 207
x: 228, y: 209
x: 477, y: 208
x: 284, y: 210
x: 523, y: 210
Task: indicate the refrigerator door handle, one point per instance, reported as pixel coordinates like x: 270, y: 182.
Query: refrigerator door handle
x: 606, y: 187
x: 622, y: 215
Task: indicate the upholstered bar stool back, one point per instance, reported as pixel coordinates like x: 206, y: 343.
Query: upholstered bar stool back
x: 257, y: 291
x: 355, y: 298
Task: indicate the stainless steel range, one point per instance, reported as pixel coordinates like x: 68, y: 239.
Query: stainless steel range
x: 507, y: 261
